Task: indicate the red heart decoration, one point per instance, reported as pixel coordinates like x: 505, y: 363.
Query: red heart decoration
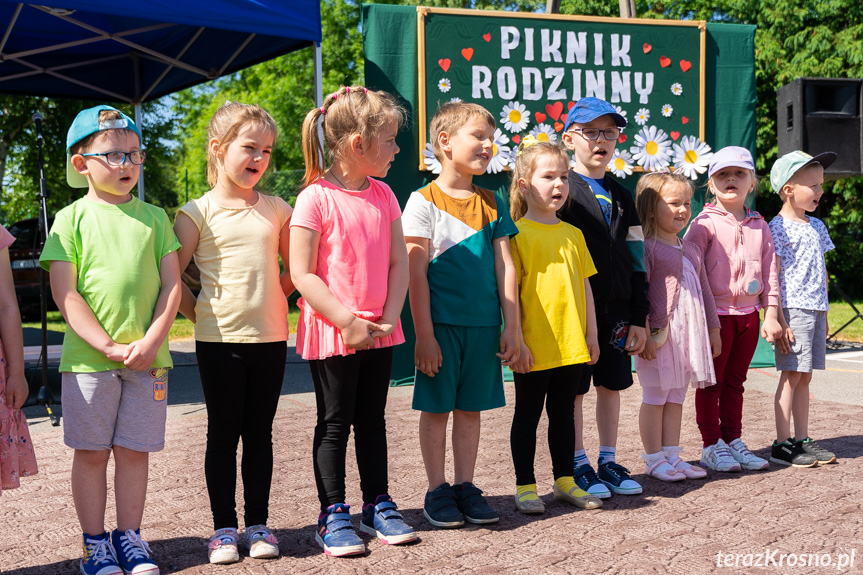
x: 622, y: 138
x: 467, y: 53
x: 554, y: 110
x: 563, y: 116
x: 558, y: 126
x: 444, y: 63
x: 570, y: 105
x: 675, y: 135
x: 685, y: 65
x: 664, y: 61
x: 516, y: 139
x: 540, y: 117
x: 647, y: 47
x: 487, y: 37
x: 684, y: 120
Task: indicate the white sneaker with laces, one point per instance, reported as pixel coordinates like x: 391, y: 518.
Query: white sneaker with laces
x: 718, y: 458
x: 260, y: 542
x: 746, y: 458
x: 222, y: 548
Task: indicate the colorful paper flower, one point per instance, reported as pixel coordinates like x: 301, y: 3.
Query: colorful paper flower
x: 500, y: 153
x: 621, y: 163
x: 444, y: 85
x: 691, y: 156
x: 642, y: 116
x: 429, y: 159
x: 455, y: 100
x: 667, y: 110
x: 620, y: 111
x: 651, y: 149
x: 514, y: 116
x: 677, y: 89
x: 544, y: 133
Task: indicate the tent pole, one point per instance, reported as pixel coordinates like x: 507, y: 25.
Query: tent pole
x: 319, y: 86
x: 140, y: 127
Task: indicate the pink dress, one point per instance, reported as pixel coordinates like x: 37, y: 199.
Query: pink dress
x: 685, y: 358
x: 17, y: 458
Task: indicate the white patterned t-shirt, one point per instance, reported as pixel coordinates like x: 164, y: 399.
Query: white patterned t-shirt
x: 803, y: 273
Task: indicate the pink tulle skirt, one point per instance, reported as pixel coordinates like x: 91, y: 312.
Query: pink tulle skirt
x: 17, y: 458
x: 317, y: 338
x: 685, y: 358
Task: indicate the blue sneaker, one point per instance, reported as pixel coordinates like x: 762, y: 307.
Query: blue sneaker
x: 616, y: 477
x: 473, y: 505
x: 585, y: 477
x: 99, y: 557
x: 133, y: 553
x: 336, y: 534
x: 382, y: 519
x: 440, y: 508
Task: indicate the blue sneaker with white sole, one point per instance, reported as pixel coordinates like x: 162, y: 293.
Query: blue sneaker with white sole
x: 336, y: 534
x: 617, y: 478
x: 99, y: 557
x: 382, y: 519
x: 585, y: 477
x: 133, y: 553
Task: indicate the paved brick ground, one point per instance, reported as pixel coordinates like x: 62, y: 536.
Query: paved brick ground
x: 671, y: 528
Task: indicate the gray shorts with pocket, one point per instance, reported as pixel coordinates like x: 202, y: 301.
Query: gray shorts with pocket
x: 810, y: 341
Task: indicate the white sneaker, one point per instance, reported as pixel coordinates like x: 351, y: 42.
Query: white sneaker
x: 746, y: 458
x: 222, y: 548
x: 718, y: 458
x: 260, y: 542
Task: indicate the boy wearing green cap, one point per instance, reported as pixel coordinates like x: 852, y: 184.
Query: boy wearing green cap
x: 115, y: 277
x: 800, y: 242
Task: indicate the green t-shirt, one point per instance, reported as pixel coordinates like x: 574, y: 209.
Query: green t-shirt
x: 117, y: 250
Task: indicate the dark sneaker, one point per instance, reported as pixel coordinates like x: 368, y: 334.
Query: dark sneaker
x: 133, y: 553
x: 336, y: 534
x: 822, y: 456
x: 473, y: 505
x: 791, y: 452
x: 383, y: 520
x: 441, y: 509
x: 585, y: 477
x: 617, y: 478
x: 99, y: 557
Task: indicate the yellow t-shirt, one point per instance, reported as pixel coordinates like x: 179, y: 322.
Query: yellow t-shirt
x: 551, y: 263
x: 241, y: 299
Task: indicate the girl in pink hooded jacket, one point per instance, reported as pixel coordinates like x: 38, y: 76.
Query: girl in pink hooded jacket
x: 737, y: 247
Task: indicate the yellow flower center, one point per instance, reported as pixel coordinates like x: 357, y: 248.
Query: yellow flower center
x: 690, y: 157
x: 619, y: 164
x: 515, y: 116
x: 542, y: 137
x: 651, y: 148
x: 493, y: 150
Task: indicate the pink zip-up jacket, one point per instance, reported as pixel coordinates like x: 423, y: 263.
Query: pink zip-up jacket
x: 738, y: 256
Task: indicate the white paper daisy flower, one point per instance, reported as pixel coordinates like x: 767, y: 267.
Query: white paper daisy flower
x: 691, y: 156
x: 514, y: 116
x: 573, y: 163
x: 455, y: 100
x: 444, y: 85
x: 500, y: 153
x: 621, y: 163
x: 620, y: 111
x: 677, y: 89
x: 544, y: 133
x: 667, y: 110
x: 651, y: 149
x: 642, y: 116
x: 429, y: 159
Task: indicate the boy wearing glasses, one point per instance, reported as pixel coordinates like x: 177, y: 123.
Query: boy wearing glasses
x: 605, y: 213
x: 116, y: 279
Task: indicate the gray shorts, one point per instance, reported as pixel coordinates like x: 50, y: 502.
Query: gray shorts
x: 810, y: 341
x: 121, y: 407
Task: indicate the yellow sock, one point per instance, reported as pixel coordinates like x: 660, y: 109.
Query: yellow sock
x: 526, y: 492
x: 567, y: 484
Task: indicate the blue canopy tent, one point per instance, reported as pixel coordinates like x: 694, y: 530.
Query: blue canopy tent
x: 133, y: 52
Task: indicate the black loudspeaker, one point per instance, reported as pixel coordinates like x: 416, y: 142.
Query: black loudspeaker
x: 823, y: 114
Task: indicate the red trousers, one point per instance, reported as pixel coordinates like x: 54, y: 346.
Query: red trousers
x: 719, y: 408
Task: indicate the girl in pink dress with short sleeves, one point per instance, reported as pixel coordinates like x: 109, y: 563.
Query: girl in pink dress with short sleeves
x: 17, y: 458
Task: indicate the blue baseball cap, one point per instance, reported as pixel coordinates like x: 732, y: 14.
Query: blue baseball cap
x: 87, y: 123
x: 588, y: 109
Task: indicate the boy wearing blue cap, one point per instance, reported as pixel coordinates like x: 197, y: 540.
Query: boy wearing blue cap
x: 115, y: 277
x: 800, y: 242
x: 605, y: 213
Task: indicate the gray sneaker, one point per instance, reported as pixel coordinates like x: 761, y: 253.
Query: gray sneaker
x: 822, y: 456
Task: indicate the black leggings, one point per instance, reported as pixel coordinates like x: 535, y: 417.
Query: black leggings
x: 351, y: 390
x: 242, y: 383
x: 556, y: 388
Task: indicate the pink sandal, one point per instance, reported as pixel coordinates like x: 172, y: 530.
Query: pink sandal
x: 690, y: 471
x: 663, y: 470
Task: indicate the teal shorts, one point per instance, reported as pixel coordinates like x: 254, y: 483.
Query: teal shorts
x: 470, y: 377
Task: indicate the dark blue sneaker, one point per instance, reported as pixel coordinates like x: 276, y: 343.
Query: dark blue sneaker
x: 99, y: 557
x: 382, y: 519
x: 473, y: 505
x: 336, y: 534
x: 585, y: 477
x: 133, y: 553
x: 617, y: 478
x: 440, y: 508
